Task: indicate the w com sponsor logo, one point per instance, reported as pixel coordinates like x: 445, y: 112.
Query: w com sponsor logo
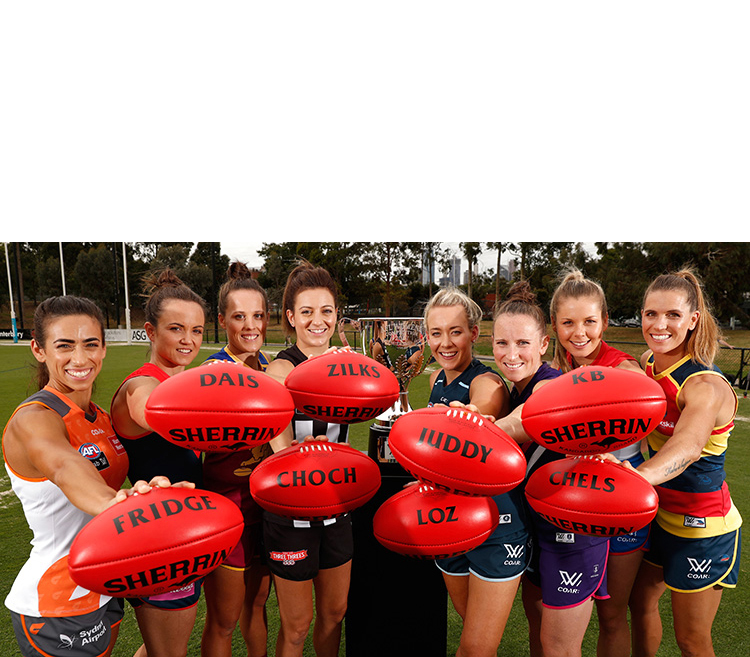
x: 569, y: 582
x: 699, y: 569
x: 515, y: 553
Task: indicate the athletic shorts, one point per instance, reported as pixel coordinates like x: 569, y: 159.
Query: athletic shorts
x: 249, y: 549
x: 500, y: 558
x: 695, y: 564
x: 183, y: 598
x: 87, y: 635
x: 570, y: 571
x: 637, y: 540
x: 299, y: 553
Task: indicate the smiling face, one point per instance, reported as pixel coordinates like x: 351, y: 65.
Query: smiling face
x: 73, y: 352
x: 313, y: 319
x: 579, y: 326
x: 245, y: 322
x: 450, y: 338
x: 665, y: 321
x: 176, y: 339
x: 518, y: 346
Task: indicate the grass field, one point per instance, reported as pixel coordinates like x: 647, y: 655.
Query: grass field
x: 731, y: 630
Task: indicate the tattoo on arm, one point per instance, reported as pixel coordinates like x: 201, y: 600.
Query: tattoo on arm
x: 676, y: 468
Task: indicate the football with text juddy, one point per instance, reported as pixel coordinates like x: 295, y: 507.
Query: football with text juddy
x: 593, y: 410
x: 219, y: 407
x: 343, y: 387
x: 315, y: 480
x: 457, y: 450
x: 589, y: 496
x: 155, y: 543
x: 423, y: 522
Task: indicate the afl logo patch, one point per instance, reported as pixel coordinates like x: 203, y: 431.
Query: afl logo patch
x: 93, y: 453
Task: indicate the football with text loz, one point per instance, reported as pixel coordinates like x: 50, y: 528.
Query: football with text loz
x: 457, y: 450
x: 593, y: 410
x: 425, y: 523
x: 589, y: 496
x: 155, y: 543
x: 315, y: 480
x: 219, y: 407
x: 343, y: 387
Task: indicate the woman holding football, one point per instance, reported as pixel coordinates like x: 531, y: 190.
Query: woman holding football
x: 237, y: 590
x: 697, y: 522
x: 579, y: 318
x: 482, y: 583
x: 174, y: 324
x: 317, y: 583
x: 66, y: 465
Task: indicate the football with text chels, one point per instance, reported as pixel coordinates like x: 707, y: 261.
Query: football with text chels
x: 589, y: 496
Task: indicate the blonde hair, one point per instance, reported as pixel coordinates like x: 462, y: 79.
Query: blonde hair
x: 702, y: 341
x: 453, y: 296
x: 574, y: 285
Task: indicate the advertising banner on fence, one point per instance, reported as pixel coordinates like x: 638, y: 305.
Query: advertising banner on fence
x: 121, y: 335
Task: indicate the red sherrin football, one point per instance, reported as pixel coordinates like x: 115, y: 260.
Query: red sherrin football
x: 589, y: 496
x: 457, y: 450
x: 155, y: 543
x: 219, y: 407
x: 423, y: 522
x: 342, y: 387
x: 315, y: 480
x: 593, y: 410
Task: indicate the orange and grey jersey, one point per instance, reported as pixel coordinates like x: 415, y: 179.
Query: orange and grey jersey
x: 43, y: 586
x: 696, y: 503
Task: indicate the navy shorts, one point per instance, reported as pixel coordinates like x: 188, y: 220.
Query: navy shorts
x: 500, y: 558
x: 299, y: 553
x: 637, y: 540
x: 87, y: 635
x: 695, y: 564
x: 569, y: 571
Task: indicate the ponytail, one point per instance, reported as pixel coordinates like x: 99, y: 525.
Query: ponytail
x: 703, y: 340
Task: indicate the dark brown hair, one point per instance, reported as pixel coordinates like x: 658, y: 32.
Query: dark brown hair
x: 239, y: 277
x: 305, y: 277
x: 52, y: 308
x: 162, y: 287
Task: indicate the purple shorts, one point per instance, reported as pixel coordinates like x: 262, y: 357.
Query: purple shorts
x: 570, y: 571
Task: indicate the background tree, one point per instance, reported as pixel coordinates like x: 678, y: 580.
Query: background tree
x: 499, y: 247
x: 471, y: 251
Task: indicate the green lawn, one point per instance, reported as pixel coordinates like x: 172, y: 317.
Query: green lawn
x: 731, y: 632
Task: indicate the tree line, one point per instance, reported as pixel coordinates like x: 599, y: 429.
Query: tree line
x: 384, y: 278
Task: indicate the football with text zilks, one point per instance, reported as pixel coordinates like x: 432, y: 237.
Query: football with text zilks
x: 426, y: 523
x: 593, y: 410
x: 342, y: 387
x: 155, y: 543
x: 219, y: 407
x: 457, y: 451
x: 315, y: 480
x: 589, y: 496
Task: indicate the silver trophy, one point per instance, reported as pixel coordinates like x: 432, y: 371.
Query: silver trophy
x: 399, y: 343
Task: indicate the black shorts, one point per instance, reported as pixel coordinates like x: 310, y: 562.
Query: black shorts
x: 87, y: 635
x: 299, y: 553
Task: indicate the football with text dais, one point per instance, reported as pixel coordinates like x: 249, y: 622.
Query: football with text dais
x: 219, y: 407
